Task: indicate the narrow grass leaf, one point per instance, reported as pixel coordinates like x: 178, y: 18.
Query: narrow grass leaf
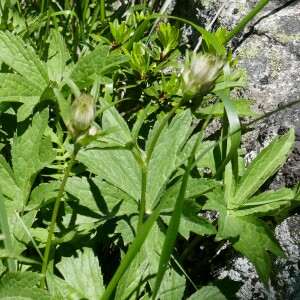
x: 6, y: 231
x: 174, y: 224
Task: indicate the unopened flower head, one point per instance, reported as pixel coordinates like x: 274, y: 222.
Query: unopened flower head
x: 200, y: 76
x: 82, y: 112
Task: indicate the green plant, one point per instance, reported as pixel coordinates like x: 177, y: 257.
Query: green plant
x: 103, y: 170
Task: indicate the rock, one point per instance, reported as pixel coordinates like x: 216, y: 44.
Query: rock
x: 269, y: 53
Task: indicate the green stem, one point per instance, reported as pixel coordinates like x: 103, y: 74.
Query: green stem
x: 246, y: 20
x: 102, y: 10
x: 137, y: 154
x: 54, y: 216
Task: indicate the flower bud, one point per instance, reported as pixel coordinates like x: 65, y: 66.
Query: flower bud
x: 82, y: 112
x: 200, y: 76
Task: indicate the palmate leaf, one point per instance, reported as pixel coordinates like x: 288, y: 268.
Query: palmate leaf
x: 266, y: 203
x: 31, y: 153
x: 190, y: 220
x: 32, y: 79
x: 97, y: 63
x: 118, y: 167
x: 267, y: 162
x: 253, y: 238
x: 8, y: 182
x: 57, y: 56
x: 77, y: 270
x: 166, y: 156
x: 22, y: 285
x: 23, y: 60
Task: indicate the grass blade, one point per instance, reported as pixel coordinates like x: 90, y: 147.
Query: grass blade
x: 174, y: 224
x: 5, y: 230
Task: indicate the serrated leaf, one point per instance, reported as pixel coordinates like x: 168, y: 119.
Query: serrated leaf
x: 208, y: 292
x: 262, y: 168
x: 117, y: 167
x: 42, y: 195
x: 255, y: 239
x: 8, y: 181
x: 19, y: 235
x: 31, y: 153
x: 166, y: 157
x: 23, y: 60
x: 16, y: 88
x: 96, y: 63
x: 190, y: 220
x: 57, y: 56
x: 21, y: 285
x: 100, y: 197
x: 266, y: 203
x: 76, y: 271
x: 61, y: 290
x: 112, y: 119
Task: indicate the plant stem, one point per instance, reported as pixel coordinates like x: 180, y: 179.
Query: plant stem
x: 246, y: 20
x: 54, y: 216
x: 102, y: 10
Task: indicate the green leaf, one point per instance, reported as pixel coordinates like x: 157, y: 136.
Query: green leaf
x: 166, y: 157
x: 134, y: 279
x: 42, y: 195
x: 20, y: 236
x: 266, y: 203
x: 8, y: 181
x: 112, y: 119
x: 31, y: 153
x: 118, y: 167
x: 190, y: 220
x: 61, y: 290
x: 57, y: 56
x: 102, y: 199
x: 209, y: 292
x: 16, y: 88
x: 96, y: 63
x: 77, y: 270
x: 23, y: 60
x: 241, y: 107
x: 22, y: 285
x: 255, y: 239
x: 262, y: 168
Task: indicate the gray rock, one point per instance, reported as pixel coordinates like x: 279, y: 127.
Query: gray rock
x: 269, y: 53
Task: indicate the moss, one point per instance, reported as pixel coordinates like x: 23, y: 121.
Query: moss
x: 287, y: 39
x: 275, y: 62
x: 249, y: 53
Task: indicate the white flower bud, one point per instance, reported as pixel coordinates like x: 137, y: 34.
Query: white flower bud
x: 200, y: 76
x: 82, y: 112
